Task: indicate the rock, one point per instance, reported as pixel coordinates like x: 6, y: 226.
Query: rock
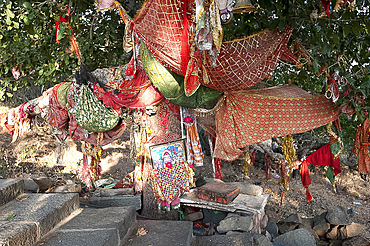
x: 43, y: 182
x: 249, y: 189
x: 69, y: 188
x: 272, y: 228
x: 30, y: 185
x: 354, y: 229
x: 194, y: 216
x: 337, y: 216
x: 264, y: 221
x: 307, y: 223
x: 332, y: 233
x: 321, y: 228
x: 114, y: 192
x: 230, y: 233
x: 261, y: 240
x: 299, y: 237
x: 286, y: 227
x: 293, y: 218
x: 336, y: 243
x: 318, y: 218
x: 236, y: 223
x: 268, y: 235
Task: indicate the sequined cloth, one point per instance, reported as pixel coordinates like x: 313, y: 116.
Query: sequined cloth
x: 245, y: 62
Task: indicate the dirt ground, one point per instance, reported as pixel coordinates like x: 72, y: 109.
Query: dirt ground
x: 36, y: 154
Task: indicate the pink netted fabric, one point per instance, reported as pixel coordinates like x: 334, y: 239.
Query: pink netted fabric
x: 243, y: 63
x: 160, y: 25
x: 249, y: 117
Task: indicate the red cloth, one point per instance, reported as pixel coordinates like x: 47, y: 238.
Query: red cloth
x: 243, y: 63
x: 216, y: 161
x: 58, y: 114
x: 160, y: 24
x: 136, y: 93
x: 323, y: 157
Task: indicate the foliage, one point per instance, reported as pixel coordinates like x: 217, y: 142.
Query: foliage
x: 339, y: 43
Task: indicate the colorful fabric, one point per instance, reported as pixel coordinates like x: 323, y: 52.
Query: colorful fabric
x: 216, y: 162
x: 193, y: 146
x: 170, y: 182
x: 79, y: 134
x: 248, y: 117
x: 323, y: 157
x: 160, y: 24
x: 172, y: 85
x: 243, y: 63
x: 361, y: 146
x: 58, y: 114
x: 62, y: 93
x: 91, y: 114
x: 136, y: 93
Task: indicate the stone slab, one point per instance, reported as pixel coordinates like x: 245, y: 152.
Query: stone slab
x: 18, y: 233
x: 161, y: 232
x: 245, y: 239
x: 118, y: 218
x: 106, y: 237
x: 90, y: 226
x: 10, y: 189
x: 117, y: 201
x: 43, y: 210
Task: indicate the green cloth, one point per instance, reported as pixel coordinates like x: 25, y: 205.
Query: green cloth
x: 330, y: 174
x: 91, y: 114
x: 171, y: 85
x: 62, y: 93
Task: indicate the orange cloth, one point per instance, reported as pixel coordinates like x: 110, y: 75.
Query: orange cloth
x: 361, y: 146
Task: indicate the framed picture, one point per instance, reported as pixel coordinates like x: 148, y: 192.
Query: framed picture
x: 166, y: 155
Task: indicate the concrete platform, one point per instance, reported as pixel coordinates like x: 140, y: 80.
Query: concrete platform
x: 101, y: 226
x: 30, y: 216
x: 10, y: 189
x: 161, y: 232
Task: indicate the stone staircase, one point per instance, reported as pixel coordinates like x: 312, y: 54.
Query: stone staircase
x: 57, y: 219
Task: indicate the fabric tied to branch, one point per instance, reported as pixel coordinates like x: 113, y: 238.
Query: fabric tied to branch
x: 244, y: 62
x: 171, y: 85
x: 323, y: 157
x: 248, y: 117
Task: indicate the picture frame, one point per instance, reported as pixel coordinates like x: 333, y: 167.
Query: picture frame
x: 167, y: 154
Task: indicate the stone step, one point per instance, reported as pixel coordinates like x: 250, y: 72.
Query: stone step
x: 117, y: 201
x: 92, y: 226
x: 159, y: 233
x: 10, y: 189
x: 30, y: 216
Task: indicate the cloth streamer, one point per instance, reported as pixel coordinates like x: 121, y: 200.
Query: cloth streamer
x: 323, y: 157
x: 248, y: 117
x: 243, y: 63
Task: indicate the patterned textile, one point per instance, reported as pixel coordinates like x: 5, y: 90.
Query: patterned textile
x: 62, y: 93
x: 245, y: 62
x: 361, y: 146
x: 91, y: 114
x: 78, y: 133
x: 58, y: 114
x: 168, y: 183
x: 248, y: 117
x: 172, y: 85
x: 136, y: 93
x: 159, y: 24
x: 193, y: 146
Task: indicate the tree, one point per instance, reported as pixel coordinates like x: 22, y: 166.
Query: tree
x: 335, y: 42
